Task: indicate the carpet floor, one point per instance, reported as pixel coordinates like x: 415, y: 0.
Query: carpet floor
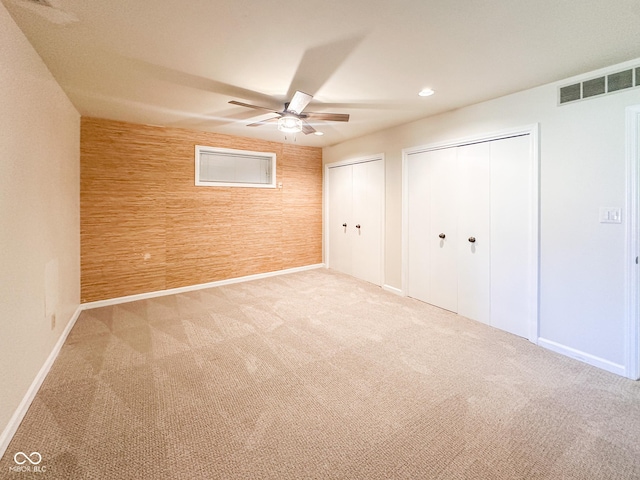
x: 317, y: 375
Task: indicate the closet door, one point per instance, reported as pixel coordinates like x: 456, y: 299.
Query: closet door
x: 355, y: 209
x: 511, y: 237
x: 443, y: 237
x: 487, y: 273
x: 368, y: 184
x: 419, y: 225
x: 433, y: 205
x: 340, y: 218
x: 474, y: 233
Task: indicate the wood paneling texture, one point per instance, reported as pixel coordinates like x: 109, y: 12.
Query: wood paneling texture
x: 145, y: 226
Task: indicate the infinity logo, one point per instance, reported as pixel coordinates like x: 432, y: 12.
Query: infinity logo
x: 27, y: 458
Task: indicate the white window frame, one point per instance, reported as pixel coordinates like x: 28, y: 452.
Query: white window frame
x: 239, y: 154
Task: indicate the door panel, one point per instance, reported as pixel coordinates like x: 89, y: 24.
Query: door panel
x: 432, y: 212
x: 419, y: 225
x: 340, y: 212
x: 368, y: 184
x: 511, y: 220
x: 474, y: 223
x: 443, y: 208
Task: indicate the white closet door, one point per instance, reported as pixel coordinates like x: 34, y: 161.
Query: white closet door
x: 418, y: 225
x: 433, y: 228
x: 368, y: 184
x: 511, y: 224
x: 340, y: 213
x: 443, y: 208
x: 480, y: 198
x: 474, y: 234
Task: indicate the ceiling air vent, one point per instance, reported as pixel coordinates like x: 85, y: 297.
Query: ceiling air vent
x: 613, y: 82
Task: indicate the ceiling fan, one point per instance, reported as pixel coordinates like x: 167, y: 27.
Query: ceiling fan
x: 292, y: 119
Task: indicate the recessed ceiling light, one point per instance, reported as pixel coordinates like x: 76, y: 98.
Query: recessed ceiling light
x: 318, y: 133
x: 426, y: 92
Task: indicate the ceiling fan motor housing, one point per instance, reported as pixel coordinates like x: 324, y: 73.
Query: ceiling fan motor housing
x: 291, y: 119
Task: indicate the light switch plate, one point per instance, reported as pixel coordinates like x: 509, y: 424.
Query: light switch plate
x: 610, y: 215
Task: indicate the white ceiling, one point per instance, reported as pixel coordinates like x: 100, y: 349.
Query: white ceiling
x: 178, y: 63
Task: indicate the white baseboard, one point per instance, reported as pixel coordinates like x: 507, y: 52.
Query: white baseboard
x: 191, y: 288
x: 391, y: 289
x: 582, y: 356
x: 21, y: 411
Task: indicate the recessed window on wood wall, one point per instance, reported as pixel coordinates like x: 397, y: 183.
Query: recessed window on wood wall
x: 225, y: 167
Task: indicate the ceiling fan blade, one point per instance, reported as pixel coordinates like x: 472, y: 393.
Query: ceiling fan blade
x: 49, y: 10
x: 307, y: 129
x: 298, y: 102
x: 329, y: 117
x: 248, y: 105
x: 264, y: 122
x: 319, y: 63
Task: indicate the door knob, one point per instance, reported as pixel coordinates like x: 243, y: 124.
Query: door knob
x: 344, y: 224
x: 358, y: 226
x: 442, y: 235
x: 472, y: 239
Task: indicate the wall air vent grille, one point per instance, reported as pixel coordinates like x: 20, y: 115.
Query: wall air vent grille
x: 620, y: 80
x: 571, y: 93
x: 594, y: 87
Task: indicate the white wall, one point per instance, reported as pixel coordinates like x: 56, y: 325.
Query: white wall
x: 582, y: 158
x: 39, y: 215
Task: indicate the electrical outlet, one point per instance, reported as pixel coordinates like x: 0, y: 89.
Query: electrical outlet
x: 53, y: 321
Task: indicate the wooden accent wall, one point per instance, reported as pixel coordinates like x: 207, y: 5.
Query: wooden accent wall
x: 145, y: 226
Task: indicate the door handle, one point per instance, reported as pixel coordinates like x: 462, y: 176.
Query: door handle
x: 472, y: 239
x: 344, y: 224
x: 442, y: 235
x: 358, y: 226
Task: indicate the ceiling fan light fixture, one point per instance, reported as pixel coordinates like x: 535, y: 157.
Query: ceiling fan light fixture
x: 289, y: 124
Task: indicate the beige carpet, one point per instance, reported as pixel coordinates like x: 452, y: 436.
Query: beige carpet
x: 318, y: 375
